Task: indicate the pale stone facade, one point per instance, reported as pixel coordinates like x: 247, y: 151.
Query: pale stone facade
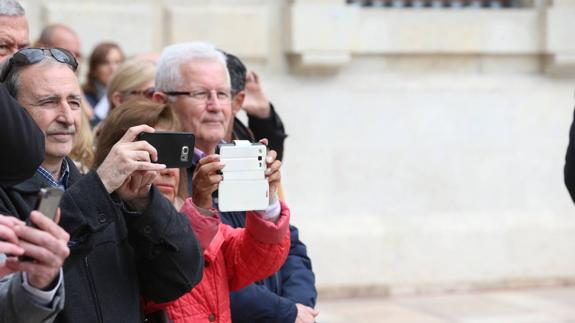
x: 425, y: 147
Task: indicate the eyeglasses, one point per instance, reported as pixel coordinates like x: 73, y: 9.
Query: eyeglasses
x: 204, y: 95
x: 29, y: 56
x: 147, y: 93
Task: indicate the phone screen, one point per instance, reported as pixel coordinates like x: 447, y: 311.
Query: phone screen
x: 49, y: 200
x: 47, y: 204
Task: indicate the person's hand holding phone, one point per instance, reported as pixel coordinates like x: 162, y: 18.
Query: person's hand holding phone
x: 273, y: 173
x: 205, y: 180
x: 46, y: 243
x: 126, y: 157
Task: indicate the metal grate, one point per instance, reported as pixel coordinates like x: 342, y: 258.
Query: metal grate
x: 438, y: 4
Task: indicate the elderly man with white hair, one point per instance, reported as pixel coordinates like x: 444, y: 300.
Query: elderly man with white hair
x: 193, y: 78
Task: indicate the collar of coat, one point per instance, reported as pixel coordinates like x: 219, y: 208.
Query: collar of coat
x: 32, y: 184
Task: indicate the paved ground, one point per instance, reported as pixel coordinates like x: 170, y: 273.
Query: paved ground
x: 544, y: 305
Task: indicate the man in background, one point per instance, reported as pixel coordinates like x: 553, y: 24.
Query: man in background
x: 248, y: 95
x: 61, y: 36
x: 289, y: 295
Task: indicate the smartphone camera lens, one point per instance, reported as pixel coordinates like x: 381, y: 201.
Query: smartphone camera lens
x: 259, y: 157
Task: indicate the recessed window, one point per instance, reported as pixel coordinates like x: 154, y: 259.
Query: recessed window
x: 439, y: 4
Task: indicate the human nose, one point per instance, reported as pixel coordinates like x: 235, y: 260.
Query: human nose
x: 214, y: 104
x: 66, y: 115
x: 170, y: 172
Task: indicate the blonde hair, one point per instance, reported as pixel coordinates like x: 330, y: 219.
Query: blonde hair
x: 130, y: 76
x: 83, y: 152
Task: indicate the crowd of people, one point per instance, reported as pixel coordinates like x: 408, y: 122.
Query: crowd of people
x: 134, y: 241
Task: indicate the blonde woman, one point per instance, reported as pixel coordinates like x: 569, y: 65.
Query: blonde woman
x: 134, y: 78
x: 83, y: 152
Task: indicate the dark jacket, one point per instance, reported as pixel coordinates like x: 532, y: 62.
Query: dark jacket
x: 273, y: 299
x: 21, y: 141
x: 569, y: 170
x: 271, y: 128
x: 116, y: 255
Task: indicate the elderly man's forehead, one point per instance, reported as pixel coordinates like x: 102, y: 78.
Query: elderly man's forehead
x: 205, y: 70
x: 48, y: 78
x: 15, y: 27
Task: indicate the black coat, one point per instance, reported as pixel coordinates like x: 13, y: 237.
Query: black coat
x: 569, y: 170
x: 271, y: 128
x: 116, y: 255
x: 21, y: 141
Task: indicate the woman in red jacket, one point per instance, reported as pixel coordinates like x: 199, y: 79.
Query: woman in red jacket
x: 234, y: 258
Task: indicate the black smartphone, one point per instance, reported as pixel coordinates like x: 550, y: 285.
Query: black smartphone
x: 175, y: 149
x: 47, y: 203
x: 49, y: 200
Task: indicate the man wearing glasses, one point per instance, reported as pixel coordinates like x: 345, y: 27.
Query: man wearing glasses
x: 126, y: 240
x: 194, y: 80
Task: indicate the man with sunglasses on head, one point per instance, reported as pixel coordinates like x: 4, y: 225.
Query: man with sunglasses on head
x: 126, y: 240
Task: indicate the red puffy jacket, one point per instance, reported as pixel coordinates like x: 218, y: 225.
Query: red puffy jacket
x: 234, y: 258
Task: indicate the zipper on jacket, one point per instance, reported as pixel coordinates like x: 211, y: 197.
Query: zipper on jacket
x: 93, y: 290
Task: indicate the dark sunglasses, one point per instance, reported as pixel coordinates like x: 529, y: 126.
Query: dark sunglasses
x: 147, y: 93
x: 29, y: 56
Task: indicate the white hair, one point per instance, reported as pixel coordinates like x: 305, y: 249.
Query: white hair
x: 168, y: 72
x: 11, y: 8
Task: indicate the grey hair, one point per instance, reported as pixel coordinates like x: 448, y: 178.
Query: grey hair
x: 12, y: 82
x: 168, y: 72
x: 11, y: 8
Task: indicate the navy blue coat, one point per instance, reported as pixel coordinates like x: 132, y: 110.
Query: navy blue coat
x: 274, y: 299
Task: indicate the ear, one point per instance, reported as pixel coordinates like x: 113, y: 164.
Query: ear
x: 238, y: 101
x: 160, y: 97
x: 117, y: 99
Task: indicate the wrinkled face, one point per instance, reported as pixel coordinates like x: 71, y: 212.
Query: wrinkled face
x: 51, y: 94
x: 207, y: 119
x: 169, y: 179
x: 104, y: 71
x: 13, y: 35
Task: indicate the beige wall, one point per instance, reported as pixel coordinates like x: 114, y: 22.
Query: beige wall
x: 425, y: 148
